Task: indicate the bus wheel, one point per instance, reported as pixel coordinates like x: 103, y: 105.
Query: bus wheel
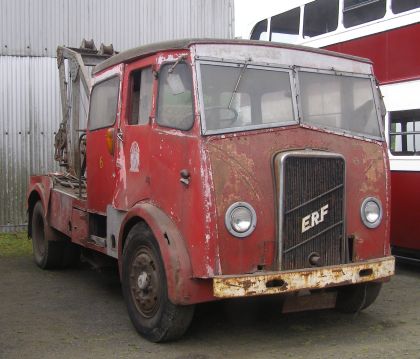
x: 145, y: 290
x: 354, y: 298
x: 51, y: 250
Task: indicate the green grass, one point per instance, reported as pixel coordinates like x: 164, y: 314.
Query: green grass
x: 15, y: 245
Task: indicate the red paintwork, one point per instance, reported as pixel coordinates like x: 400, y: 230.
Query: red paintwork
x: 241, y: 173
x: 188, y: 221
x: 405, y: 211
x: 395, y: 53
x: 137, y: 182
x: 101, y: 165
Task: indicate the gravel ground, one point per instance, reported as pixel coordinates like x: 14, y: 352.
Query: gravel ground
x: 80, y: 313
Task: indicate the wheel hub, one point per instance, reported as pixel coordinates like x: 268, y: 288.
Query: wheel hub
x: 143, y: 280
x: 145, y: 284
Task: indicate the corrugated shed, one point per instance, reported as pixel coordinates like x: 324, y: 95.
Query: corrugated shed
x: 30, y: 113
x: 35, y: 28
x: 30, y: 31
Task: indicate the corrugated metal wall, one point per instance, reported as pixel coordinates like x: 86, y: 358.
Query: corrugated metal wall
x: 30, y: 31
x: 36, y: 27
x: 29, y: 113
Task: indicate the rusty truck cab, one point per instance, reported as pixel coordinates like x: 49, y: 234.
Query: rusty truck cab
x: 220, y: 169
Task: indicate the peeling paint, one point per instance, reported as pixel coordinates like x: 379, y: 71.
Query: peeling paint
x: 292, y: 281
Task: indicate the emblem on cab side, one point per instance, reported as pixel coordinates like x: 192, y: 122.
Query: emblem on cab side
x: 314, y: 218
x: 134, y: 157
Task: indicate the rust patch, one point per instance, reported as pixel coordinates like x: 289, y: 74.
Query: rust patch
x: 234, y: 170
x: 292, y: 281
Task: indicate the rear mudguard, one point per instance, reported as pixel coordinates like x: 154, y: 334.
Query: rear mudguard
x: 39, y: 189
x: 183, y: 289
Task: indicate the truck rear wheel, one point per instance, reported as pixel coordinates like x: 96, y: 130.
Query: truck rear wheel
x: 354, y: 298
x: 145, y: 290
x: 49, y: 250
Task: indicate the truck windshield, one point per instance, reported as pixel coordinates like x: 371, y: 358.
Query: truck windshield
x: 339, y: 102
x: 238, y: 97
x: 242, y: 96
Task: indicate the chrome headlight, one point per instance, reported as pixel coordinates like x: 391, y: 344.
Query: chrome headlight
x: 240, y: 219
x: 371, y: 212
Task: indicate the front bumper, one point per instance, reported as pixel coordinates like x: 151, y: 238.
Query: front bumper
x: 230, y: 286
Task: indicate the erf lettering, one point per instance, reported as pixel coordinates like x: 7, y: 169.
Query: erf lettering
x: 314, y: 218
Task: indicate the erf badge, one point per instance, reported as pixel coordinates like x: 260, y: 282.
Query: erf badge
x: 134, y: 157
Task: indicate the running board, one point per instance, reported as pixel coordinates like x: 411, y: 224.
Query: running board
x: 97, y: 241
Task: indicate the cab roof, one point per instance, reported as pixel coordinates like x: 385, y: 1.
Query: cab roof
x: 184, y: 44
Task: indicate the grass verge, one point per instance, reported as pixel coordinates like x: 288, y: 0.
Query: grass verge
x: 15, y: 245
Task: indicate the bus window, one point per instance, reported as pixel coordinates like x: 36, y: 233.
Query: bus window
x: 404, y: 134
x: 404, y: 5
x: 285, y: 26
x: 320, y: 17
x: 259, y: 32
x: 358, y: 12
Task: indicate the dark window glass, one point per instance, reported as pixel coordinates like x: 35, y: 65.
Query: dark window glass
x: 141, y: 96
x: 358, y: 12
x: 404, y: 132
x: 175, y: 104
x: 404, y: 5
x: 259, y: 32
x: 320, y: 17
x: 285, y: 26
x: 103, y: 103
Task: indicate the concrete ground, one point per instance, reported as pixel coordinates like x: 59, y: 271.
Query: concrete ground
x: 80, y: 313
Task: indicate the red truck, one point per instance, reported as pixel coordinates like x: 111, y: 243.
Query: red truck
x: 214, y: 169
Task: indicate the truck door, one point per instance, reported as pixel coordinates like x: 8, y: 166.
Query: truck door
x: 100, y: 139
x: 133, y: 177
x: 175, y: 143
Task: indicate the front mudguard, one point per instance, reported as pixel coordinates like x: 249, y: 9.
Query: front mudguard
x: 183, y: 289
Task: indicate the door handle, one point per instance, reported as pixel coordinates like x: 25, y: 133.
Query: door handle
x: 120, y: 135
x: 185, y: 177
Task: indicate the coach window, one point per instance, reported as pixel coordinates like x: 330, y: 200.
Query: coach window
x: 320, y: 17
x: 404, y: 5
x: 358, y: 12
x: 404, y: 132
x: 103, y: 103
x: 285, y: 26
x: 259, y: 32
x: 141, y: 82
x: 175, y: 104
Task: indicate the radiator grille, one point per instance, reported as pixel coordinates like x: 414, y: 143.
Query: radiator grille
x: 313, y: 218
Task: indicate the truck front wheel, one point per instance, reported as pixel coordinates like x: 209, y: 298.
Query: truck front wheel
x: 354, y: 298
x: 145, y: 290
x: 50, y: 249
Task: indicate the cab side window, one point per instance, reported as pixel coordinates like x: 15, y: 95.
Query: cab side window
x: 103, y: 103
x: 141, y: 82
x: 175, y: 103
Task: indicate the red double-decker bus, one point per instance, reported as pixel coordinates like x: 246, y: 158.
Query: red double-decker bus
x: 388, y: 33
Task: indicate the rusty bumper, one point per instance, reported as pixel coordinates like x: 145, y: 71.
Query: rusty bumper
x: 291, y: 281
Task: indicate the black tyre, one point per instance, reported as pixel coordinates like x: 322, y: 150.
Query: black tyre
x: 354, y: 298
x: 50, y: 249
x: 144, y: 285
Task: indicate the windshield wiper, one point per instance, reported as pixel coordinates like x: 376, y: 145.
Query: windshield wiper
x: 237, y: 84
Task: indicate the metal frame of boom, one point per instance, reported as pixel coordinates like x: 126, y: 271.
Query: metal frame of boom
x: 74, y: 77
